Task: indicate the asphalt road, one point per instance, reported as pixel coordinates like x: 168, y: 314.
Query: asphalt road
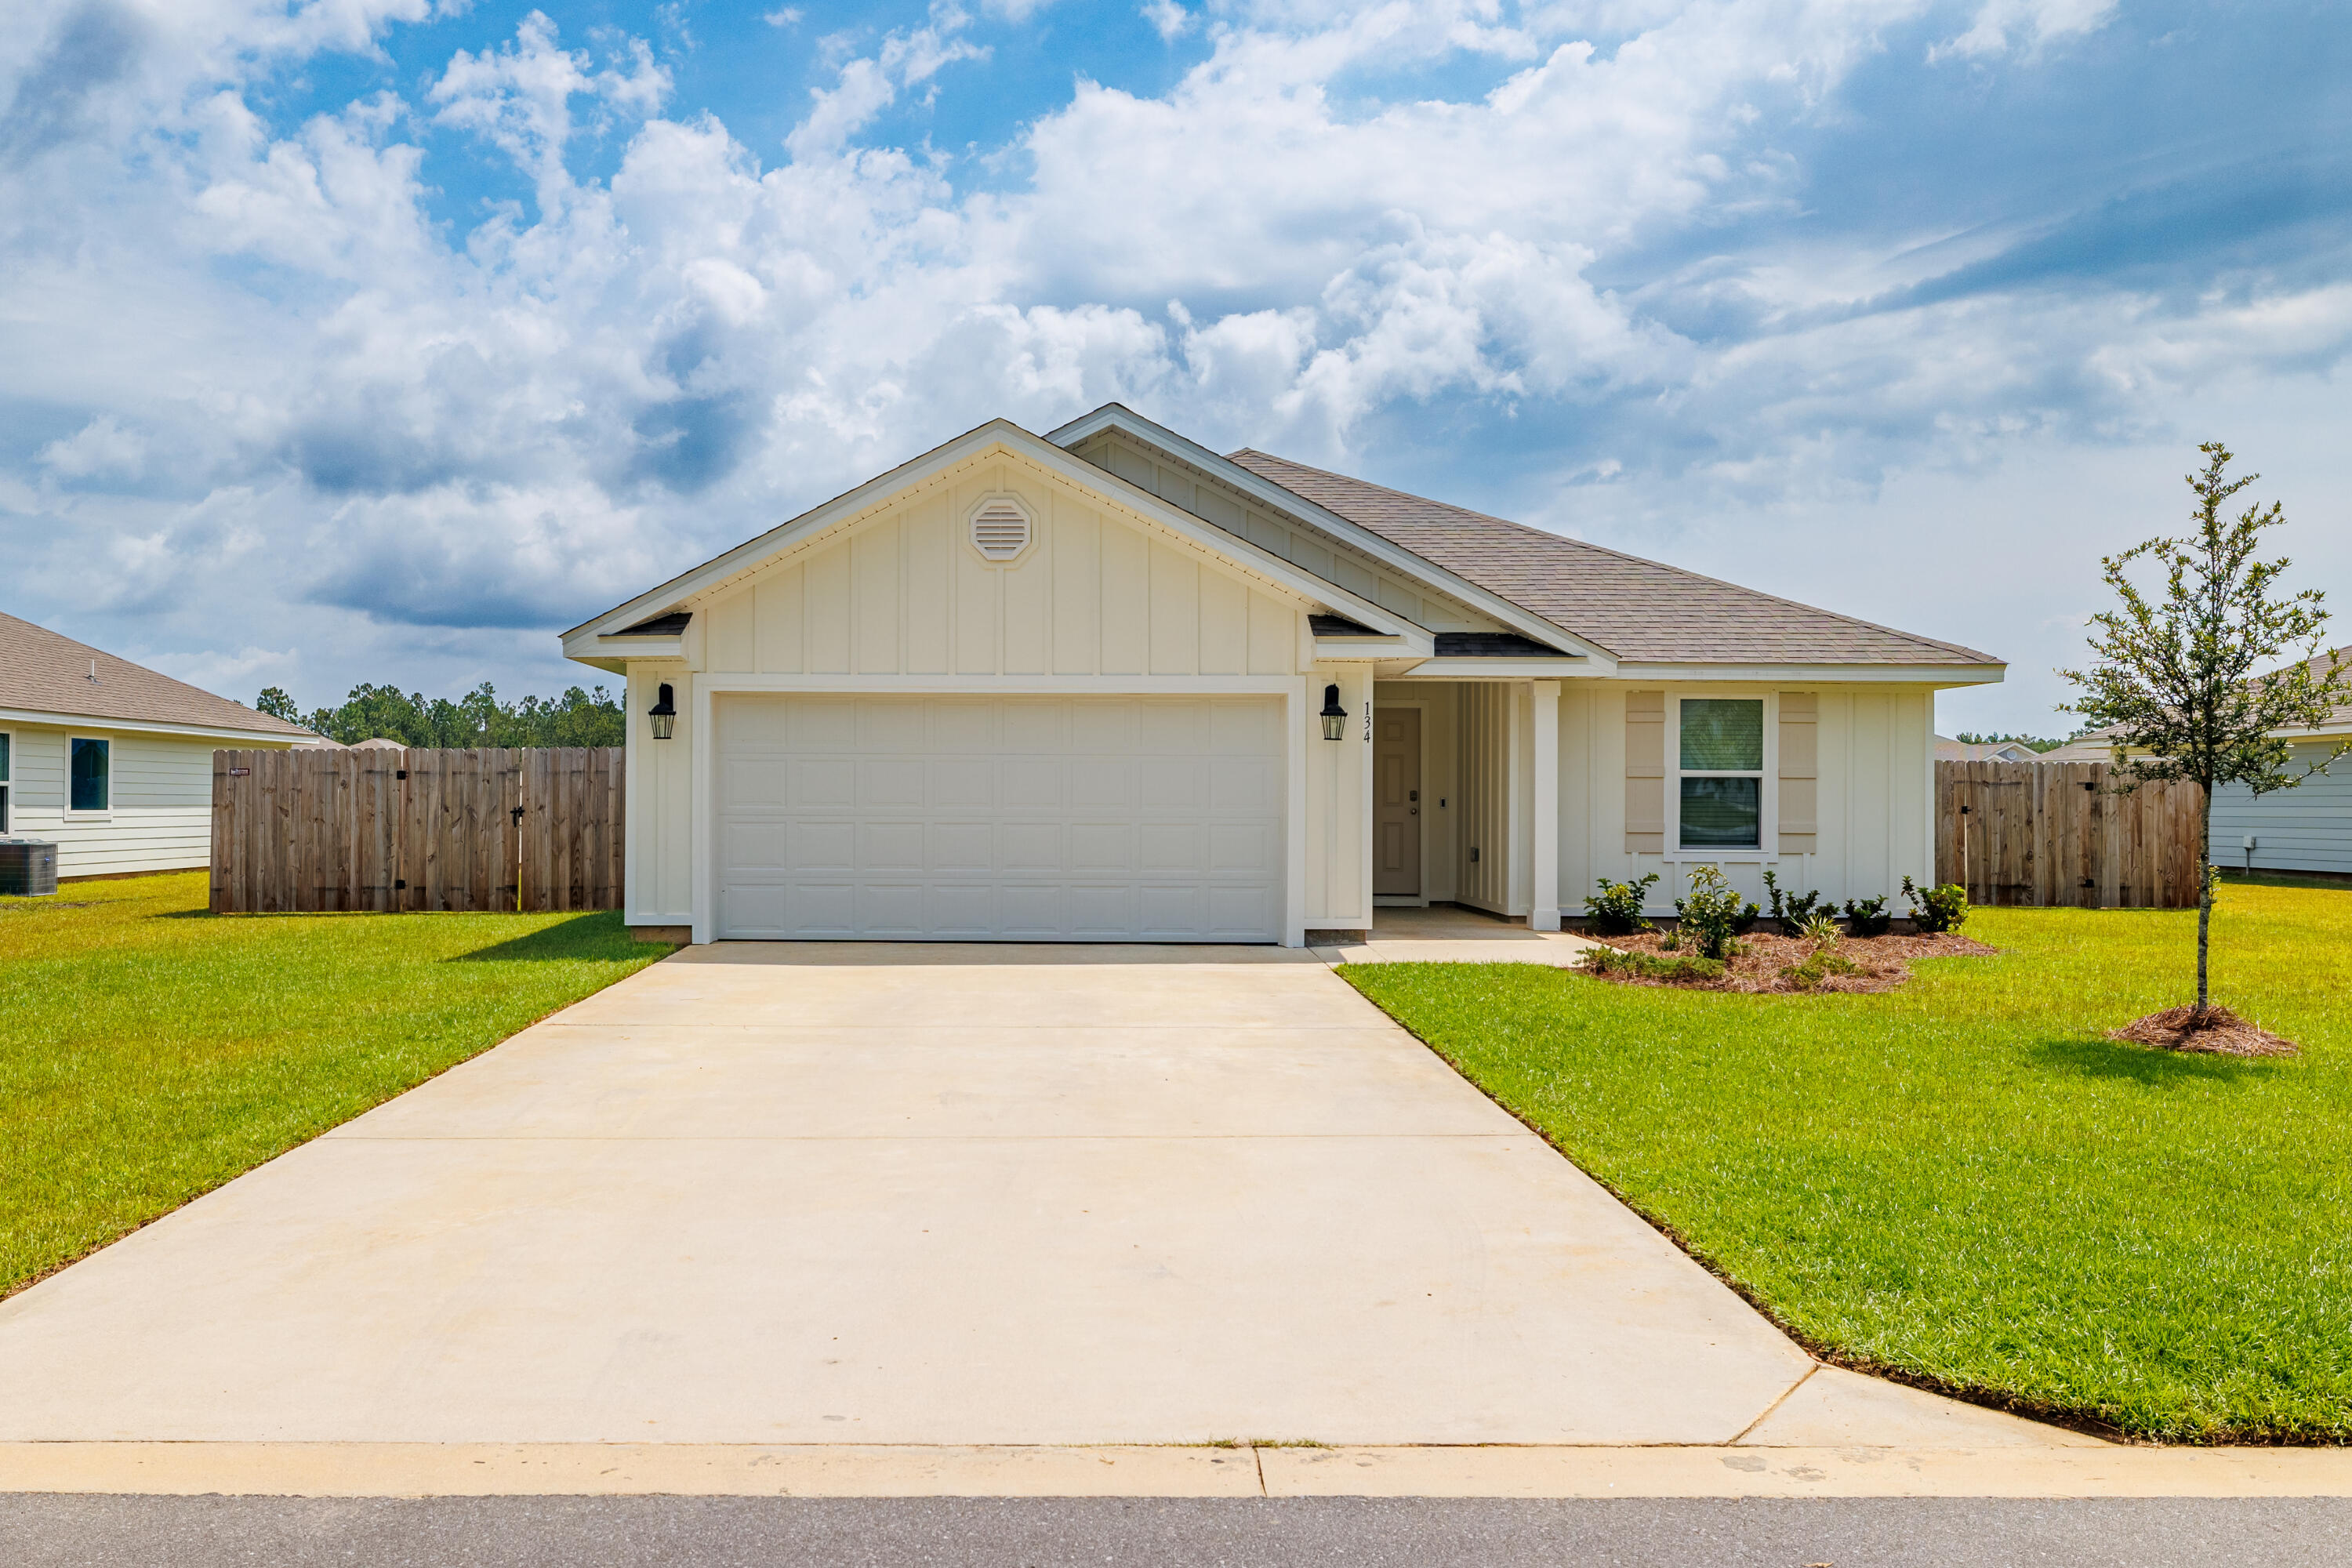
x: 38, y: 1531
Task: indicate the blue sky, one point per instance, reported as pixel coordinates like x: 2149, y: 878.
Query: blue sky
x: 381, y: 339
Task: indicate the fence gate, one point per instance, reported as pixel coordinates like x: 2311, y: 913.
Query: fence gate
x: 488, y: 829
x: 2062, y: 833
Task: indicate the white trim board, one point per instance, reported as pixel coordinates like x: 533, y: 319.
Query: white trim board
x: 90, y: 723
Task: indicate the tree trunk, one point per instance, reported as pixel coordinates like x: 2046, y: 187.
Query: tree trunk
x: 2204, y: 896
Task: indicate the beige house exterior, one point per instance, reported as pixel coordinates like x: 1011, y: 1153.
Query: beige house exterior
x: 111, y: 760
x: 1079, y: 686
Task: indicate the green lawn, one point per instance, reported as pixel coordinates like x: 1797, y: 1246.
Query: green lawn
x: 150, y: 1051
x: 1963, y: 1179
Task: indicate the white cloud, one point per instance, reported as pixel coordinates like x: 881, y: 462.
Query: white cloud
x: 102, y: 448
x: 1167, y: 18
x: 519, y: 97
x: 2029, y: 25
x: 277, y: 387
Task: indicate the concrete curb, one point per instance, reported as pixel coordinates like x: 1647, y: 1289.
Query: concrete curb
x: 599, y: 1469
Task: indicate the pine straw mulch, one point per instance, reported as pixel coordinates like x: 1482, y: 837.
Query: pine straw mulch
x: 2221, y: 1032
x: 1884, y: 962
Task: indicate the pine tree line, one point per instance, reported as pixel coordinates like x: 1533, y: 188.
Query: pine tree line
x: 577, y: 717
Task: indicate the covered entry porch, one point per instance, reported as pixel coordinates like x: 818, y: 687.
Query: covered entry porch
x: 1465, y: 803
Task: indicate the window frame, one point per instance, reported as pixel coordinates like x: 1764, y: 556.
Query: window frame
x: 99, y: 813
x: 1768, y: 789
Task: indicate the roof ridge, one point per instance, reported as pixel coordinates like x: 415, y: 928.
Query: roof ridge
x: 1552, y: 539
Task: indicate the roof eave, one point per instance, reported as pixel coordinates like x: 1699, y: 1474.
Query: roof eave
x: 58, y: 719
x: 1862, y: 673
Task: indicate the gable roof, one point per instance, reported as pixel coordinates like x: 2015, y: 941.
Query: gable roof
x: 44, y: 672
x: 1319, y: 520
x: 1638, y: 610
x: 668, y: 618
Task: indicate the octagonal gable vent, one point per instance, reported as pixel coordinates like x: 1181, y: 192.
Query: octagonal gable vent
x: 1000, y: 530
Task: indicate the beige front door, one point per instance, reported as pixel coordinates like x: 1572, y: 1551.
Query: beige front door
x: 1396, y: 803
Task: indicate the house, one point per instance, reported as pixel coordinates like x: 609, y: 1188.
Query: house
x: 110, y: 760
x: 2090, y: 748
x: 1950, y: 751
x: 2307, y: 828
x: 1107, y: 684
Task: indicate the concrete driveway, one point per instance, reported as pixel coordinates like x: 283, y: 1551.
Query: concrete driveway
x: 929, y: 1194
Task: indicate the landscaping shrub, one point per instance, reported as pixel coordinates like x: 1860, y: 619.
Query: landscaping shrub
x: 1610, y: 961
x: 1820, y: 928
x: 1713, y: 914
x: 1616, y: 910
x: 1794, y: 912
x: 1940, y: 908
x: 1868, y: 917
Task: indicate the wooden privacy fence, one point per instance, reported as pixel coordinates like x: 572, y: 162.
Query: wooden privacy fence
x: 2060, y: 833
x: 496, y: 828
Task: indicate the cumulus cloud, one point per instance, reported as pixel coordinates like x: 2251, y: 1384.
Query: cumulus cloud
x: 265, y: 369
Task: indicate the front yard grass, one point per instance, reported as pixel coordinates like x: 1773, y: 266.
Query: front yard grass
x: 1963, y: 1182
x: 150, y: 1051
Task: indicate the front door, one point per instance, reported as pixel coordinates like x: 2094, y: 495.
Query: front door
x: 1396, y: 803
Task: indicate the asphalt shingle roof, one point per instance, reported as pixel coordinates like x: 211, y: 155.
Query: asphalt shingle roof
x: 42, y: 671
x: 1635, y: 609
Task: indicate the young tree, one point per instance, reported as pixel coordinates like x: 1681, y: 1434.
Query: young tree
x: 2173, y: 680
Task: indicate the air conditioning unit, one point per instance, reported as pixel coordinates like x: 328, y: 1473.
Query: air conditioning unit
x: 28, y: 867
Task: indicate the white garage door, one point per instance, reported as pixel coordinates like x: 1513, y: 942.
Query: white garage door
x: 1039, y: 818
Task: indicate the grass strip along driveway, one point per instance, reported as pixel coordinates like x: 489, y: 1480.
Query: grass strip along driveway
x: 1964, y: 1180
x: 150, y: 1051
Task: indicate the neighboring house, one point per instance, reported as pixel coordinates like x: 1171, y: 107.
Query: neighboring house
x: 2090, y: 748
x: 2306, y: 828
x: 1950, y: 751
x: 1108, y: 685
x: 108, y: 759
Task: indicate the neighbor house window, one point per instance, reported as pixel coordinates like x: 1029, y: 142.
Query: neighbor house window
x: 91, y: 768
x: 1722, y: 772
x: 4, y: 738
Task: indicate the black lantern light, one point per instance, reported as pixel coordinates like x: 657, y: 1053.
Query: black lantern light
x: 1334, y: 718
x: 663, y: 715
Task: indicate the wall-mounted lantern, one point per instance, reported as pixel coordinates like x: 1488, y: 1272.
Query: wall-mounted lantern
x: 663, y: 715
x: 1334, y: 718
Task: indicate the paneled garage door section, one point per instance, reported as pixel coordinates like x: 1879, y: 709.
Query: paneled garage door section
x: 949, y: 818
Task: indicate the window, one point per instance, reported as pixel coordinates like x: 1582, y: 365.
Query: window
x: 1722, y: 772
x: 90, y: 774
x: 4, y: 738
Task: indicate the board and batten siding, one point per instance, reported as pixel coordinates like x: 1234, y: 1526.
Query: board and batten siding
x: 1867, y: 824
x: 903, y: 592
x: 2306, y: 828
x: 159, y: 815
x: 897, y: 600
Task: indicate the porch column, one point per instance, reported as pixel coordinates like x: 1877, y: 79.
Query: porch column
x: 1545, y: 913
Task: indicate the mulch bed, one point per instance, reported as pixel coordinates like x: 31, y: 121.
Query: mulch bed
x: 2221, y: 1032
x: 1884, y: 962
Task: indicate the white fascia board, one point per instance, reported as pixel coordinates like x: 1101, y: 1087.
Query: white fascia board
x: 1294, y: 582
x: 90, y: 724
x: 1504, y: 669
x: 1937, y: 675
x: 1115, y: 416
